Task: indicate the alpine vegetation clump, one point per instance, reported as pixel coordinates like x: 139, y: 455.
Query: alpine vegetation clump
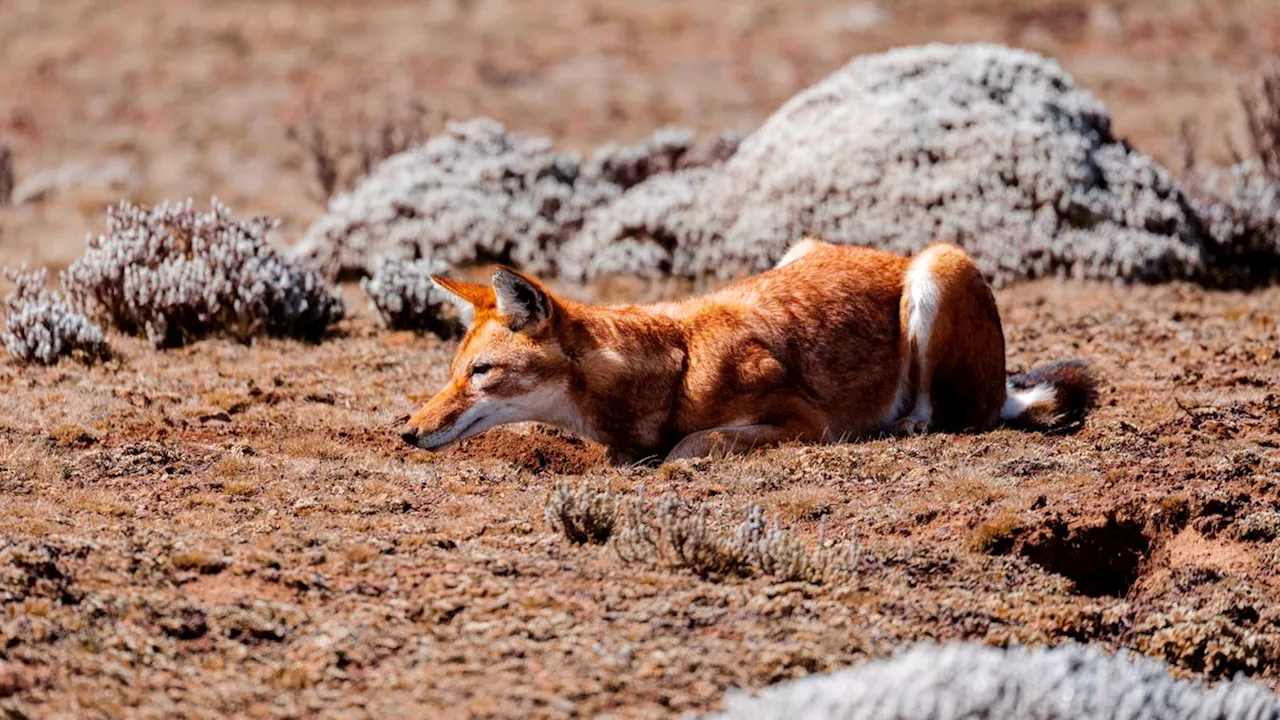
x: 584, y: 515
x: 41, y: 326
x: 177, y: 275
x: 1239, y: 207
x: 476, y: 193
x: 671, y: 533
x: 7, y: 180
x: 406, y: 299
x: 968, y: 680
x: 992, y: 148
x: 989, y: 147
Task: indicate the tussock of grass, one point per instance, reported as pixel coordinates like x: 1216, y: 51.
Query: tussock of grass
x: 996, y: 536
x: 70, y: 435
x: 584, y: 515
x: 240, y: 488
x: 197, y: 561
x: 31, y: 461
x: 671, y: 533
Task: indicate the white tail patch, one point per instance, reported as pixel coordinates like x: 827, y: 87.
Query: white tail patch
x: 797, y: 251
x: 1018, y: 402
x: 923, y: 297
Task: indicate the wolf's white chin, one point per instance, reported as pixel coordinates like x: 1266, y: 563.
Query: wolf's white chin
x: 474, y: 421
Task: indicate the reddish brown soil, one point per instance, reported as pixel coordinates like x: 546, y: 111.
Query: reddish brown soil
x: 542, y: 450
x: 238, y: 529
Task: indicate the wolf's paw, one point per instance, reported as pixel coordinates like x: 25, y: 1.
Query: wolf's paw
x: 911, y: 426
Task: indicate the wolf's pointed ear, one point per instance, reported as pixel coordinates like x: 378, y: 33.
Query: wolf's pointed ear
x: 523, y: 303
x: 466, y: 296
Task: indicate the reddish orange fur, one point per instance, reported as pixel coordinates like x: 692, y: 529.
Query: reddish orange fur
x: 814, y: 350
x: 966, y: 348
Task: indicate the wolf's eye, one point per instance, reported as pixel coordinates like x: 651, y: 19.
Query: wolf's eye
x: 480, y: 368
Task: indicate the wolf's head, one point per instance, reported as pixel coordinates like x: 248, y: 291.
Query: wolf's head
x: 510, y: 366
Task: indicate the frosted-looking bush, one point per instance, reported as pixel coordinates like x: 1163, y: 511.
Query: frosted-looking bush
x: 477, y: 193
x: 650, y: 231
x: 42, y: 327
x: 1240, y: 211
x: 176, y: 275
x: 406, y: 299
x: 989, y: 147
x: 961, y: 681
x: 993, y: 148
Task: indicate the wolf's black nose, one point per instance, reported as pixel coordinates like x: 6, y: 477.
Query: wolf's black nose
x: 410, y: 437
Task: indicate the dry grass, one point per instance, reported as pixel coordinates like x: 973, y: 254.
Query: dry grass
x: 110, y: 509
x: 968, y: 489
x: 230, y: 467
x: 314, y: 446
x: 996, y: 536
x: 349, y: 552
x: 240, y: 488
x: 672, y: 533
x: 340, y: 158
x: 70, y: 435
x: 584, y: 515
x: 7, y: 177
x: 198, y: 561
x: 1261, y: 102
x: 668, y: 532
x: 230, y: 401
x: 30, y: 461
x: 799, y: 504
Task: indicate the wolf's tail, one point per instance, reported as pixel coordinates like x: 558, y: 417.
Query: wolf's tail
x: 1054, y: 396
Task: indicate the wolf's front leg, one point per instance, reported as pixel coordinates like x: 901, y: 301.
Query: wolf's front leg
x: 731, y: 440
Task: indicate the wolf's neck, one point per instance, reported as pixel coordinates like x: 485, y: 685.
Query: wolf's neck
x: 628, y: 374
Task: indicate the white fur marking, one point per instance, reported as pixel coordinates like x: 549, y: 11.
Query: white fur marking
x: 608, y: 356
x: 1017, y: 402
x: 923, y: 296
x: 476, y: 419
x: 797, y: 251
x: 549, y: 404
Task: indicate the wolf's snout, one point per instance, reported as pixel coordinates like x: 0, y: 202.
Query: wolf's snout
x: 410, y: 435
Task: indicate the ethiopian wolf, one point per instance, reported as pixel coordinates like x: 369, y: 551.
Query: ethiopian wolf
x: 833, y: 343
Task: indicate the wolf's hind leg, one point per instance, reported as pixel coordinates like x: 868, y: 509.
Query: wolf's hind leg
x: 728, y: 440
x: 742, y: 439
x: 921, y: 298
x: 954, y: 355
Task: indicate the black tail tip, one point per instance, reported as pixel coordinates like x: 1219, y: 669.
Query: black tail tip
x: 1075, y: 390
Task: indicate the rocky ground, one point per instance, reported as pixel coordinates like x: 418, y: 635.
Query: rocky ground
x: 237, y: 529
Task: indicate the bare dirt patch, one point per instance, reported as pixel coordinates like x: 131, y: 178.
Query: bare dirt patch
x: 539, y: 450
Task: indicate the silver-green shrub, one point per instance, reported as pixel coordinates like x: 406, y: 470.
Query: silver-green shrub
x: 175, y: 275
